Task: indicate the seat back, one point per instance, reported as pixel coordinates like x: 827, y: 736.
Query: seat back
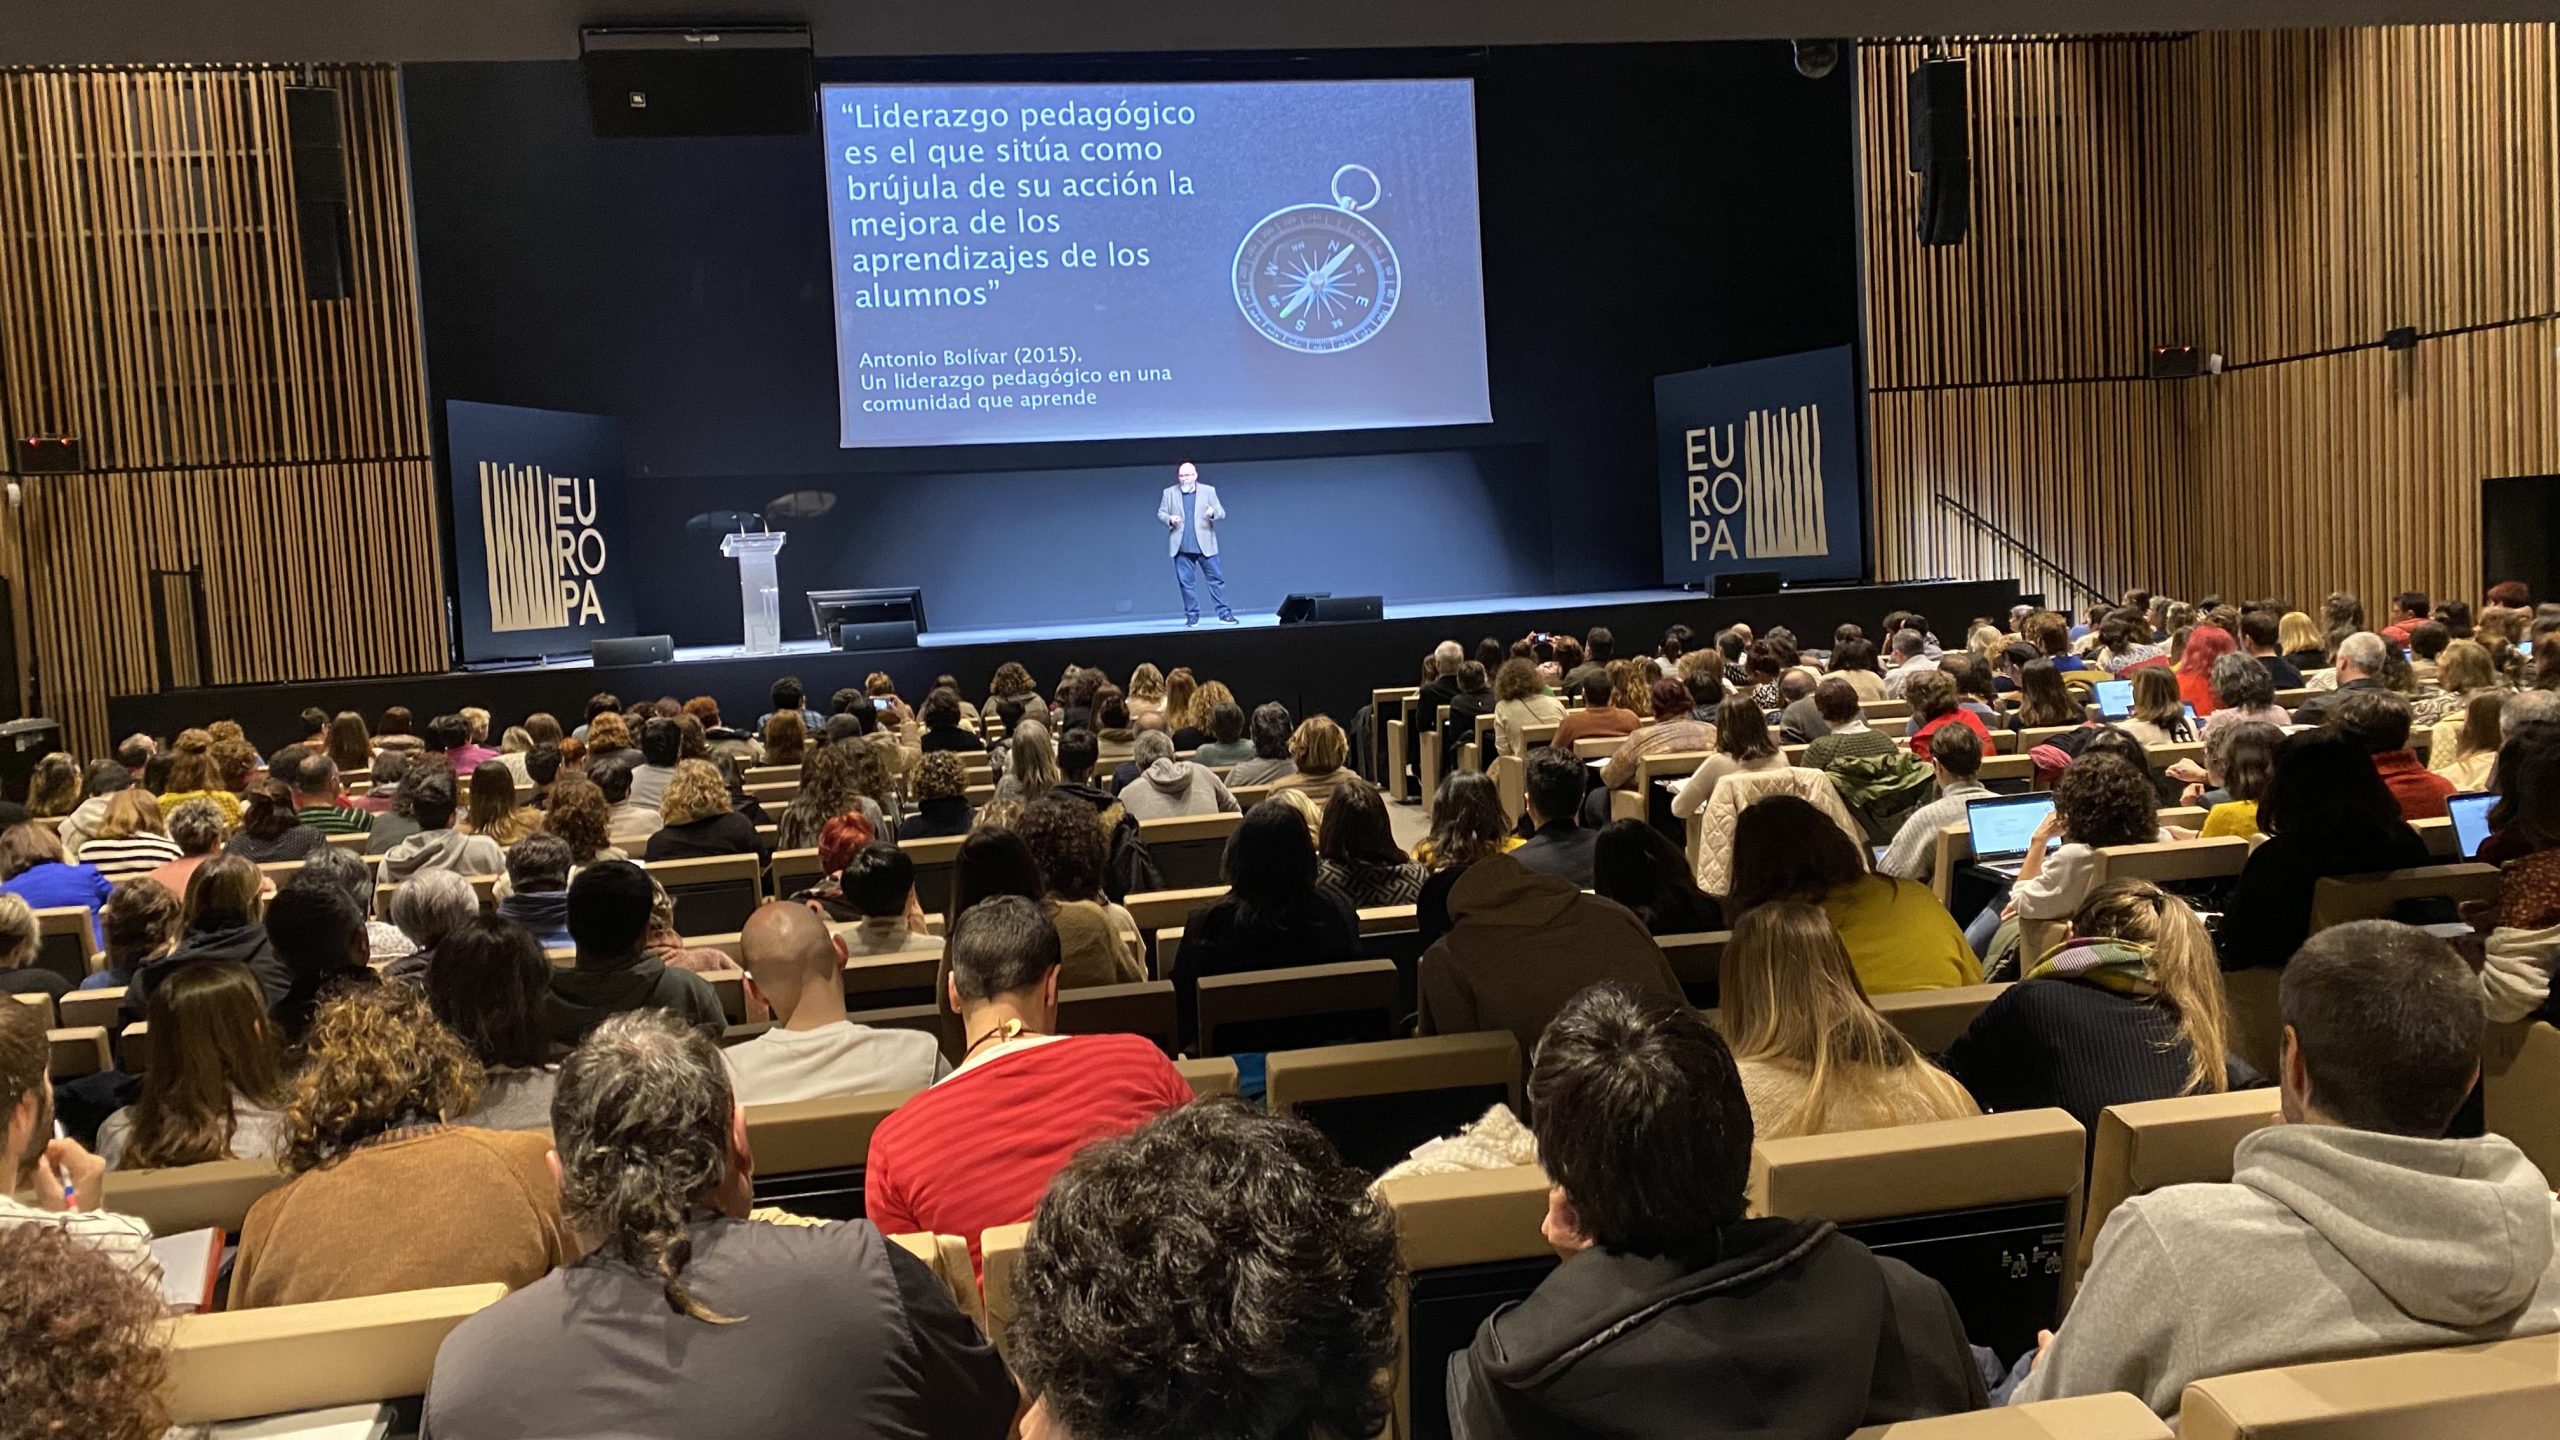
x: 713, y: 893
x: 876, y: 982
x: 999, y: 1260
x: 2510, y: 1387
x: 2111, y: 1416
x: 1932, y: 1019
x: 796, y: 870
x: 2256, y: 1029
x: 1143, y: 1008
x: 1470, y: 1244
x: 89, y: 1007
x: 242, y: 1363
x: 1263, y: 1010
x: 2341, y: 899
x: 2144, y: 1146
x: 810, y: 1153
x: 1376, y: 1102
x: 1215, y: 1075
x: 78, y: 1050
x: 1983, y: 1205
x: 66, y: 942
x: 1696, y: 960
x: 2520, y: 1085
x: 1189, y: 850
x: 947, y: 1256
x: 933, y: 857
x: 2168, y: 862
x: 214, y: 1195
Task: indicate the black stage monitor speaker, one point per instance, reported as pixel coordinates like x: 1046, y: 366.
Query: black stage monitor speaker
x: 1746, y: 582
x: 22, y: 744
x: 1300, y: 606
x: 888, y: 618
x: 1938, y: 151
x: 677, y: 80
x: 319, y: 192
x: 637, y: 650
x: 1330, y: 609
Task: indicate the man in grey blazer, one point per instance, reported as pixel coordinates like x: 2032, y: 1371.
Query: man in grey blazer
x: 1191, y: 512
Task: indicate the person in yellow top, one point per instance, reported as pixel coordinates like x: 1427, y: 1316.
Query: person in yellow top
x: 1898, y: 936
x: 195, y: 773
x: 2238, y: 761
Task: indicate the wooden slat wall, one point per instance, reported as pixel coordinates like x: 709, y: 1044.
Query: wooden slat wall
x: 2276, y: 197
x: 151, y: 303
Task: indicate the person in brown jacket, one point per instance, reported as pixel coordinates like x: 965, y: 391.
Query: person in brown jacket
x: 1521, y: 944
x: 387, y: 1194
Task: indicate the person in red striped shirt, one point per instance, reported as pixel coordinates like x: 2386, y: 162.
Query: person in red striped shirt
x: 978, y: 1148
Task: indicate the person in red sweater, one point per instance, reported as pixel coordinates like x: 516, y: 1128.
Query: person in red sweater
x: 1936, y: 705
x: 2205, y: 644
x: 978, y: 1149
x: 2379, y: 721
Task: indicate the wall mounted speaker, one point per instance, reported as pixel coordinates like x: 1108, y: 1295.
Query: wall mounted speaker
x: 319, y: 192
x: 1939, y: 153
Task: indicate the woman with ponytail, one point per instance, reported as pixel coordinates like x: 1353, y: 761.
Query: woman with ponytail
x: 684, y: 1315
x: 2128, y: 1008
x: 271, y: 828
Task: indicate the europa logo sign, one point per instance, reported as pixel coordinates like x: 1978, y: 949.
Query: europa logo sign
x: 1755, y: 487
x: 538, y: 535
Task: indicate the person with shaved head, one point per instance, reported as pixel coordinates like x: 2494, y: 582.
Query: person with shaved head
x: 796, y: 965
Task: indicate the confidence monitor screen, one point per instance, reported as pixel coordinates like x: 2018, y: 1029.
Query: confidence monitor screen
x: 1095, y: 262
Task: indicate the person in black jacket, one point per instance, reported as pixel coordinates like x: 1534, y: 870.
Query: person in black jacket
x: 221, y: 918
x: 1672, y: 1314
x: 1473, y: 699
x: 1274, y: 916
x: 1638, y: 866
x: 2129, y: 1008
x: 2326, y: 813
x: 699, y: 819
x: 942, y: 727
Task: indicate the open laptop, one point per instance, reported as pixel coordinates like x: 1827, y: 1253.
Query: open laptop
x: 2002, y: 826
x: 2470, y: 812
x: 2114, y: 697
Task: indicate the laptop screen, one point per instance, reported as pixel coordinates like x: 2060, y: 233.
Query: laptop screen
x: 2470, y: 820
x: 2115, y: 698
x: 2002, y: 827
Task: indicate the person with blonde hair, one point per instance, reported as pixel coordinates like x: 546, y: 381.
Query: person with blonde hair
x: 700, y: 820
x: 1815, y: 1056
x: 2299, y: 640
x: 2465, y: 750
x: 2159, y: 709
x: 2129, y: 1008
x: 1031, y: 765
x: 194, y: 775
x: 389, y: 1193
x: 1179, y: 686
x: 214, y: 1089
x: 1321, y: 754
x: 2464, y: 672
x: 1191, y: 728
x: 19, y: 975
x: 130, y: 839
x: 493, y: 809
x: 1146, y: 691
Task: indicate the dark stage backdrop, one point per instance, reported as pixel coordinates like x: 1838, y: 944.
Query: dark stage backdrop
x: 1646, y: 210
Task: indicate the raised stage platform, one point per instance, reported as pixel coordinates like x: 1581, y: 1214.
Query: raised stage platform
x: 1310, y: 668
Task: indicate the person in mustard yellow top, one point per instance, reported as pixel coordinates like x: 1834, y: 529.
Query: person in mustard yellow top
x: 2238, y: 761
x: 1898, y: 936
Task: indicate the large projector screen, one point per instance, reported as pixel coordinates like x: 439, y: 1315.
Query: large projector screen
x: 1089, y: 262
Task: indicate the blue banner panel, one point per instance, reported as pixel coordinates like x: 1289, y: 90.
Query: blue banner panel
x: 1760, y: 469
x: 537, y: 529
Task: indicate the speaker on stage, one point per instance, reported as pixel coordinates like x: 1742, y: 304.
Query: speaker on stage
x: 1331, y: 609
x: 1746, y: 582
x: 680, y: 80
x: 1299, y: 605
x: 636, y: 650
x: 22, y: 744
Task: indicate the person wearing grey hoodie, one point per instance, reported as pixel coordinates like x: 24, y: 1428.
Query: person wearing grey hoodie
x: 437, y: 845
x: 1167, y: 786
x: 2353, y: 1228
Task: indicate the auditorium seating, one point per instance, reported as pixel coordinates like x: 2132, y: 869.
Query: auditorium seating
x: 1377, y: 1101
x: 78, y: 1050
x: 1932, y: 1019
x: 1145, y: 1007
x: 1308, y: 1005
x: 2520, y: 1089
x: 2508, y: 1388
x: 947, y: 1256
x: 1983, y: 1205
x: 2371, y: 897
x: 810, y: 1153
x: 1470, y: 1243
x: 1189, y: 849
x: 714, y: 893
x: 2113, y: 1416
x: 2145, y: 1146
x: 239, y: 1364
x: 216, y: 1194
x: 1000, y: 1257
x: 66, y: 942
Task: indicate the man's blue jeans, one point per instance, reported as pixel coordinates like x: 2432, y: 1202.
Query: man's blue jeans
x: 1186, y: 573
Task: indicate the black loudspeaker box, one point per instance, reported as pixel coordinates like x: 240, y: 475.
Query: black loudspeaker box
x: 873, y: 635
x: 1300, y: 605
x: 1939, y: 151
x: 1746, y: 582
x: 667, y: 81
x: 1334, y: 608
x: 319, y: 192
x: 22, y: 744
x: 636, y: 650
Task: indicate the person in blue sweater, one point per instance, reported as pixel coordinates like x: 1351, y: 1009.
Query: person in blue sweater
x: 33, y: 868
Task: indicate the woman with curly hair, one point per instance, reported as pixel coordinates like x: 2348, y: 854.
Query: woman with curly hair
x: 1520, y: 701
x: 388, y: 1193
x: 1146, y: 691
x: 2100, y: 801
x: 80, y: 1341
x: 942, y: 798
x: 579, y: 815
x: 1099, y: 943
x: 699, y: 818
x: 1467, y: 824
x: 53, y: 790
x: 827, y: 789
x: 1101, y: 1297
x: 1191, y: 728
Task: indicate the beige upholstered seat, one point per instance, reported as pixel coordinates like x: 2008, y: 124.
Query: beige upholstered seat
x: 243, y: 1363
x: 2470, y: 1392
x: 2151, y: 1144
x: 2113, y: 1416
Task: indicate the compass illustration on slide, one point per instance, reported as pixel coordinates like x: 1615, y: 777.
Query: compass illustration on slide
x: 1320, y: 278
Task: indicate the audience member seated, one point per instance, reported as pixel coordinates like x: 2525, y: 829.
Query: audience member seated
x: 493, y: 811
x: 105, y: 780
x: 427, y: 907
x: 1673, y: 1313
x: 270, y: 827
x: 1741, y: 743
x: 221, y: 918
x: 1226, y: 744
x: 1897, y: 934
x: 786, y: 739
x: 1357, y: 854
x: 51, y: 1183
x: 581, y: 817
x: 214, y: 1089
x: 320, y: 800
x: 1559, y: 843
x: 1521, y: 702
x: 1853, y: 663
x: 1031, y: 764
x: 2361, y: 657
x: 874, y: 886
x: 320, y: 940
x: 2353, y: 1228
x: 1598, y: 718
x: 2205, y: 646
x: 2239, y: 761
x: 388, y: 1194
x: 789, y: 694
x: 2126, y: 642
x: 490, y: 985
x: 2129, y: 1008
x: 1637, y: 866
x: 1673, y: 731
x: 1167, y: 786
x: 942, y: 727
x: 1114, y: 735
x: 2379, y: 721
x: 661, y: 745
x: 684, y: 1315
x: 1274, y: 916
x: 1099, y: 943
x: 2099, y: 802
x: 2043, y: 700
x: 1103, y: 1291
x: 1271, y: 730
x: 829, y: 788
x: 978, y: 1148
x: 2523, y: 922
x: 437, y: 845
x: 1522, y: 943
x: 140, y: 921
x: 813, y: 1052
x: 2260, y: 631
x: 1320, y: 756
x: 941, y: 791
x: 699, y: 819
x: 83, y: 1340
x: 1955, y: 760
x: 1814, y: 1055
x: 2325, y: 813
x: 33, y: 868
x: 2242, y: 694
x: 19, y: 974
x: 195, y: 775
x: 1467, y: 824
x: 2159, y: 715
x: 1846, y: 733
x: 1908, y: 650
x: 537, y: 896
x: 2465, y: 744
x: 609, y: 921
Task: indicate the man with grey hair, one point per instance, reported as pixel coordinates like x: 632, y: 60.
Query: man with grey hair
x: 1441, y: 689
x: 2360, y: 661
x: 687, y: 1318
x: 1167, y: 785
x: 2528, y: 707
x: 427, y: 907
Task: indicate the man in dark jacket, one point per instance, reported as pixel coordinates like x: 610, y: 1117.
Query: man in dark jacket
x: 538, y: 888
x: 1561, y: 844
x: 1672, y: 1314
x: 1520, y: 945
x: 608, y: 919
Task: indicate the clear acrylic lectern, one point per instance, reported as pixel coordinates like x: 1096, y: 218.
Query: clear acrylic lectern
x: 759, y: 593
